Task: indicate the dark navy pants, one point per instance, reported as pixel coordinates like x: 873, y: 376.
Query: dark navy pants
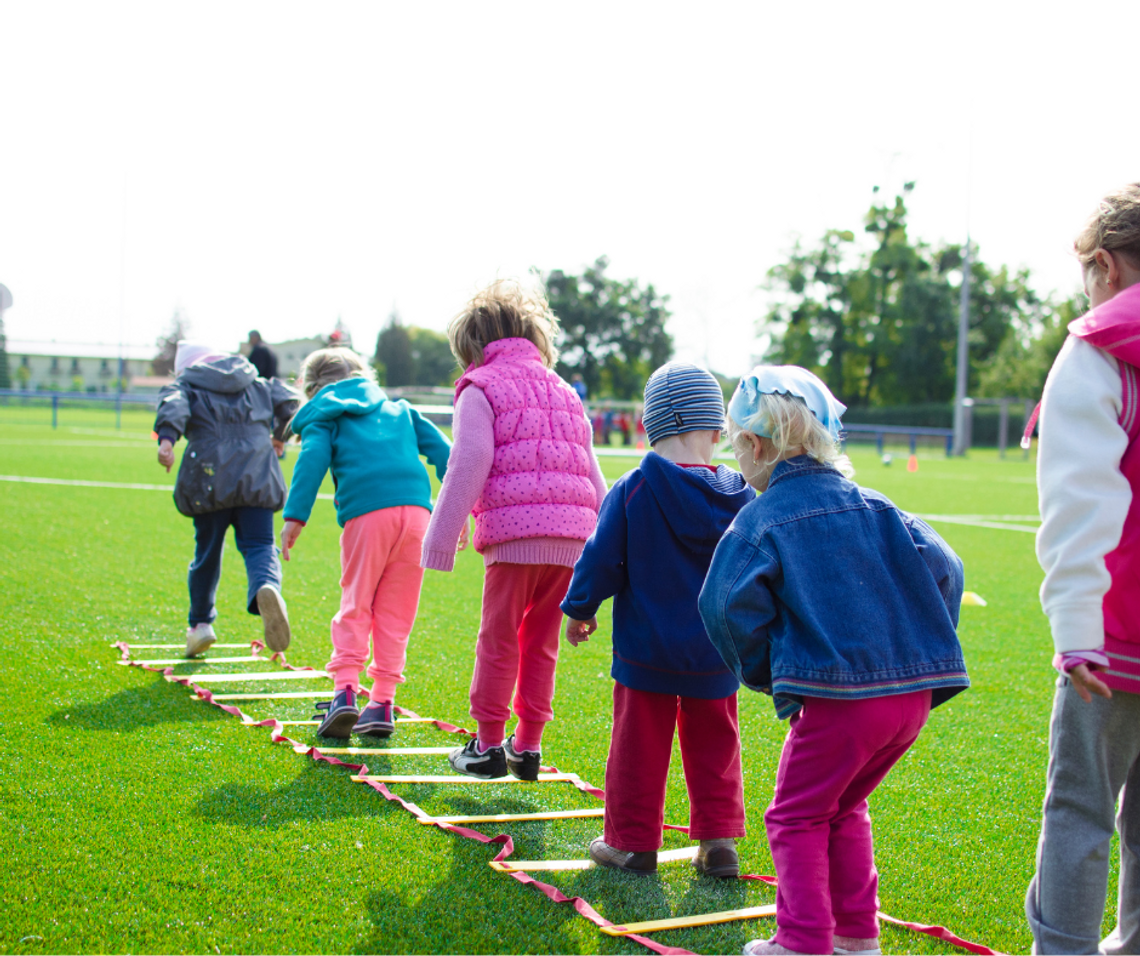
x: 253, y: 531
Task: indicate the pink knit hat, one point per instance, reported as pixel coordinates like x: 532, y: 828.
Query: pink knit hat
x: 191, y: 353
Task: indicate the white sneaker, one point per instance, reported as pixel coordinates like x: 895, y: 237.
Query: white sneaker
x: 274, y: 618
x: 199, y: 638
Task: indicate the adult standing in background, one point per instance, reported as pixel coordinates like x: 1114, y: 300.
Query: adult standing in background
x: 261, y: 356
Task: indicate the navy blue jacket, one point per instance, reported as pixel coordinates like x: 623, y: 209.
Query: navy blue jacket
x: 656, y: 534
x: 824, y: 589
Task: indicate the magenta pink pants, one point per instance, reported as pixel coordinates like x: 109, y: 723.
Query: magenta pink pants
x: 517, y: 650
x: 835, y: 754
x: 638, y: 766
x: 380, y: 592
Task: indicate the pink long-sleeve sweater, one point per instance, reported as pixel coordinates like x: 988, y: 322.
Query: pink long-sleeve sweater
x: 468, y: 469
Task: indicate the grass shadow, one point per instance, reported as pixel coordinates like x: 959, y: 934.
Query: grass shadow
x: 135, y: 708
x: 307, y: 797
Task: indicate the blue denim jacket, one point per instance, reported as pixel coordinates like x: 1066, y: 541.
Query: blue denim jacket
x: 821, y: 588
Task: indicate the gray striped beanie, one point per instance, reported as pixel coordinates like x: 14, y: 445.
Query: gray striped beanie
x: 681, y: 398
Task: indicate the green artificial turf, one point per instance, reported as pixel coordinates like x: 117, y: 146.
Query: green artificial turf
x: 138, y: 820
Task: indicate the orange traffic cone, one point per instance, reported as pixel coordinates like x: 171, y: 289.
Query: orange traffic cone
x: 640, y: 445
x: 912, y: 463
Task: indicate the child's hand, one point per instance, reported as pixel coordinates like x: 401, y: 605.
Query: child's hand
x: 166, y: 453
x: 464, y: 538
x: 289, y: 535
x: 579, y: 631
x: 1085, y: 680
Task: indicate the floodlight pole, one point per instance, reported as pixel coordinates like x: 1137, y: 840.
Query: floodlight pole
x: 960, y: 436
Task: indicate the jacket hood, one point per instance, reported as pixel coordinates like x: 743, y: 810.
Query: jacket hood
x: 1114, y: 325
x: 696, y: 508
x: 349, y: 396
x: 226, y: 375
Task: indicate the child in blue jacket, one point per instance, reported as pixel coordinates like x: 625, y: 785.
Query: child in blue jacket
x: 372, y: 445
x: 844, y: 609
x: 656, y: 534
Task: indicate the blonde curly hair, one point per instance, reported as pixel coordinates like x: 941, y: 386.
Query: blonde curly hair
x: 1114, y: 227
x: 506, y: 309
x: 325, y: 366
x: 790, y: 424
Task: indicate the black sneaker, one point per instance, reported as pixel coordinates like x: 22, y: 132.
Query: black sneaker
x: 341, y: 714
x: 522, y: 764
x: 376, y: 720
x: 486, y: 765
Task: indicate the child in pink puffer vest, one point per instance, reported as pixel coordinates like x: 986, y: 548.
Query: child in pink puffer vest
x: 523, y: 463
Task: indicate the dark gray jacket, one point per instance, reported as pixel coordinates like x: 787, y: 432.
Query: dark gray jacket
x: 227, y: 415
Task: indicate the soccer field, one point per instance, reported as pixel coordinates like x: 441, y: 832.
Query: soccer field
x: 137, y: 819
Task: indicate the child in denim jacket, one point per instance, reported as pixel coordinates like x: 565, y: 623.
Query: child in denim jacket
x: 843, y: 608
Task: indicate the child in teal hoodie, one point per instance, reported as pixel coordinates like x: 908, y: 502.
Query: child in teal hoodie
x: 372, y: 445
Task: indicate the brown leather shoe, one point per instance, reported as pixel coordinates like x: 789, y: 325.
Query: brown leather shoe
x: 639, y: 864
x: 718, y: 858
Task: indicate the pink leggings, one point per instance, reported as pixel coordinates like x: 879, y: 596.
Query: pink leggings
x: 835, y: 754
x: 380, y: 581
x: 517, y: 650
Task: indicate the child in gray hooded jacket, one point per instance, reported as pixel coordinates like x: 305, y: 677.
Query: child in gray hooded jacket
x: 229, y: 477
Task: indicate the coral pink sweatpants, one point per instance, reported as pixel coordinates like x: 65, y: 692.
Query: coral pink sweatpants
x: 638, y: 765
x: 380, y: 592
x: 835, y: 754
x: 517, y: 650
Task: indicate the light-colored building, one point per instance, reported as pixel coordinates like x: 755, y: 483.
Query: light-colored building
x: 290, y: 354
x: 73, y: 367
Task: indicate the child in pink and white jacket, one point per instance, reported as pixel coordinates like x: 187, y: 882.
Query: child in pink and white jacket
x: 523, y: 463
x: 1088, y: 474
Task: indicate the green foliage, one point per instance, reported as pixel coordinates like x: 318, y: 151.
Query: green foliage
x: 1021, y: 363
x: 431, y: 354
x: 613, y: 331
x: 178, y: 329
x: 5, y: 373
x: 879, y: 324
x: 394, y: 352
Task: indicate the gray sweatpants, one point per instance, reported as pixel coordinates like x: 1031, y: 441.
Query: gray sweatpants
x: 1093, y: 753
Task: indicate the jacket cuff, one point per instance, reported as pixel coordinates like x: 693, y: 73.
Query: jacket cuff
x: 438, y: 561
x: 1077, y: 627
x: 577, y: 612
x: 167, y: 434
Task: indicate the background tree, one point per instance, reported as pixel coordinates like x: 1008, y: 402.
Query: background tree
x: 5, y: 373
x: 167, y: 343
x: 879, y: 323
x: 613, y: 331
x: 431, y: 354
x: 394, y: 353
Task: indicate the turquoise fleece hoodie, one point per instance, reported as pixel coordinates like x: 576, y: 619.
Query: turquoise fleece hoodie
x: 372, y: 445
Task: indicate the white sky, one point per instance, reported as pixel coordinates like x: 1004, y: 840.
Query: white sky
x: 276, y: 165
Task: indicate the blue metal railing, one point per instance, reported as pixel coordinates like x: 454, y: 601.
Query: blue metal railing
x: 913, y: 432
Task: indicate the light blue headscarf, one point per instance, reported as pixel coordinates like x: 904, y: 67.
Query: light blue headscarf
x: 786, y: 380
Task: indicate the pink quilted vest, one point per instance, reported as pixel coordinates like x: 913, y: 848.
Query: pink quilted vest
x: 539, y: 486
x: 1115, y: 328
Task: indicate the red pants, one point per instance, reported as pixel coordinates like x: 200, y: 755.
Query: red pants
x: 835, y: 754
x: 517, y: 650
x: 638, y: 766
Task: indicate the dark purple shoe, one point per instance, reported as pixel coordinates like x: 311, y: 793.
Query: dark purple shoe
x: 376, y: 720
x: 341, y: 714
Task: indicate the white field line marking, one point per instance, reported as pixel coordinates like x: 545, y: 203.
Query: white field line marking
x: 121, y: 485
x: 971, y: 522
x: 63, y: 443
